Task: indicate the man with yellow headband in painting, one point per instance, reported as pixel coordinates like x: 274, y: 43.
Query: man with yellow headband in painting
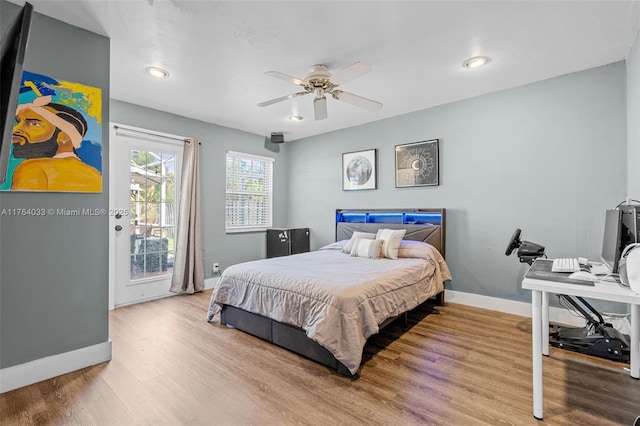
x: 47, y: 136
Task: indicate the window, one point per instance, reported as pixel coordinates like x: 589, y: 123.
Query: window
x: 153, y: 211
x: 249, y: 195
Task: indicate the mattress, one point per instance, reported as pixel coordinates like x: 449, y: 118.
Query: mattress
x: 338, y: 300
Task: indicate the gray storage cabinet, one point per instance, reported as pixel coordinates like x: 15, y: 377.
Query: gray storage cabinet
x: 286, y: 241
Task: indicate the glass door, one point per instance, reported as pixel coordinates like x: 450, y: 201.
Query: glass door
x: 144, y: 189
x: 152, y: 226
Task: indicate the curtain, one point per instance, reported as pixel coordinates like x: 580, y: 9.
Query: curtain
x: 188, y: 270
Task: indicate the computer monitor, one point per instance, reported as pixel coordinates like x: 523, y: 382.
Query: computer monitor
x: 612, y: 242
x: 13, y: 47
x: 630, y: 223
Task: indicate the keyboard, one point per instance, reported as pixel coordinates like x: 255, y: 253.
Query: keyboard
x: 565, y: 264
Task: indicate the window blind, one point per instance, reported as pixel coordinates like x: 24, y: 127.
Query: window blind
x: 249, y: 192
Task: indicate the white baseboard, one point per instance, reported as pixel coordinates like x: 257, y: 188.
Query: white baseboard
x: 556, y: 315
x: 52, y: 366
x: 210, y: 282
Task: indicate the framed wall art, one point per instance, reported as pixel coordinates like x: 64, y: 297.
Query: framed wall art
x: 359, y: 170
x: 57, y: 137
x: 417, y: 164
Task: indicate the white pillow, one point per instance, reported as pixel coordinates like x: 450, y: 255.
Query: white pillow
x: 356, y: 235
x: 390, y: 241
x: 364, y: 247
x: 415, y: 249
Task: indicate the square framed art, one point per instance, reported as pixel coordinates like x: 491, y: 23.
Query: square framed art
x: 417, y: 164
x: 359, y: 170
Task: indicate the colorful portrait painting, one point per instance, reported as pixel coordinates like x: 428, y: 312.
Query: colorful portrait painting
x: 57, y: 137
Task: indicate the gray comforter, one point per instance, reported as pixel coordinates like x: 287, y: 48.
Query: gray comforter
x: 338, y: 300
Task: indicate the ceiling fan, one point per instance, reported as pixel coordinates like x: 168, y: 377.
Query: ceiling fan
x: 320, y: 82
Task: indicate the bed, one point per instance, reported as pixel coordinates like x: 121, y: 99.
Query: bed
x: 326, y: 303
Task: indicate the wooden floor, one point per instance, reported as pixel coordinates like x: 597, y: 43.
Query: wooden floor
x: 455, y: 365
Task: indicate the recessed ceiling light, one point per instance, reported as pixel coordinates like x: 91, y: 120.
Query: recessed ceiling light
x: 157, y: 72
x: 295, y: 118
x: 476, y: 61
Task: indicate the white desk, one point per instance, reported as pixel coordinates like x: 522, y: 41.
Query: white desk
x: 540, y: 290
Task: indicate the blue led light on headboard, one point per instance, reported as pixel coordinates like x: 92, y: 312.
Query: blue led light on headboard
x: 386, y: 218
x: 423, y: 218
x: 390, y: 216
x: 351, y: 217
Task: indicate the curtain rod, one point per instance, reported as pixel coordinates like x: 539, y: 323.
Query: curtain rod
x: 177, y: 138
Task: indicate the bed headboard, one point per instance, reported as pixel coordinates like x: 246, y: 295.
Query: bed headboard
x: 426, y: 225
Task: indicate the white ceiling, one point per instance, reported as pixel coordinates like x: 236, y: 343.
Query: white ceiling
x: 217, y: 52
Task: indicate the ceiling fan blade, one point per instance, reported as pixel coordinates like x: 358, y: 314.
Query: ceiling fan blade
x: 349, y: 73
x: 320, y: 108
x: 286, y: 77
x: 282, y: 98
x: 356, y: 100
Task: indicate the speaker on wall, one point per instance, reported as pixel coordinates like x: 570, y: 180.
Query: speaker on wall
x: 277, y: 137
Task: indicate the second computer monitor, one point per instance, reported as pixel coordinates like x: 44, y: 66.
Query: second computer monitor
x: 612, y: 242
x: 630, y: 223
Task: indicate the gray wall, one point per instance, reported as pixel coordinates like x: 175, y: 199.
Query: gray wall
x: 549, y: 158
x: 218, y: 246
x: 633, y: 120
x: 54, y: 270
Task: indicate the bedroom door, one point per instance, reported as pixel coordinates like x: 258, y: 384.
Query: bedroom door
x: 144, y: 185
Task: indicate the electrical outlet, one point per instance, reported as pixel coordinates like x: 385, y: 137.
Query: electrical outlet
x: 216, y: 268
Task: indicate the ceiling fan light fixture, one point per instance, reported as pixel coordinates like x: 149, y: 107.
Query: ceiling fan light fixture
x: 320, y: 108
x: 476, y: 62
x: 157, y: 72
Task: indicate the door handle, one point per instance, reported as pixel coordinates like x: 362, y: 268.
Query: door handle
x: 118, y: 228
